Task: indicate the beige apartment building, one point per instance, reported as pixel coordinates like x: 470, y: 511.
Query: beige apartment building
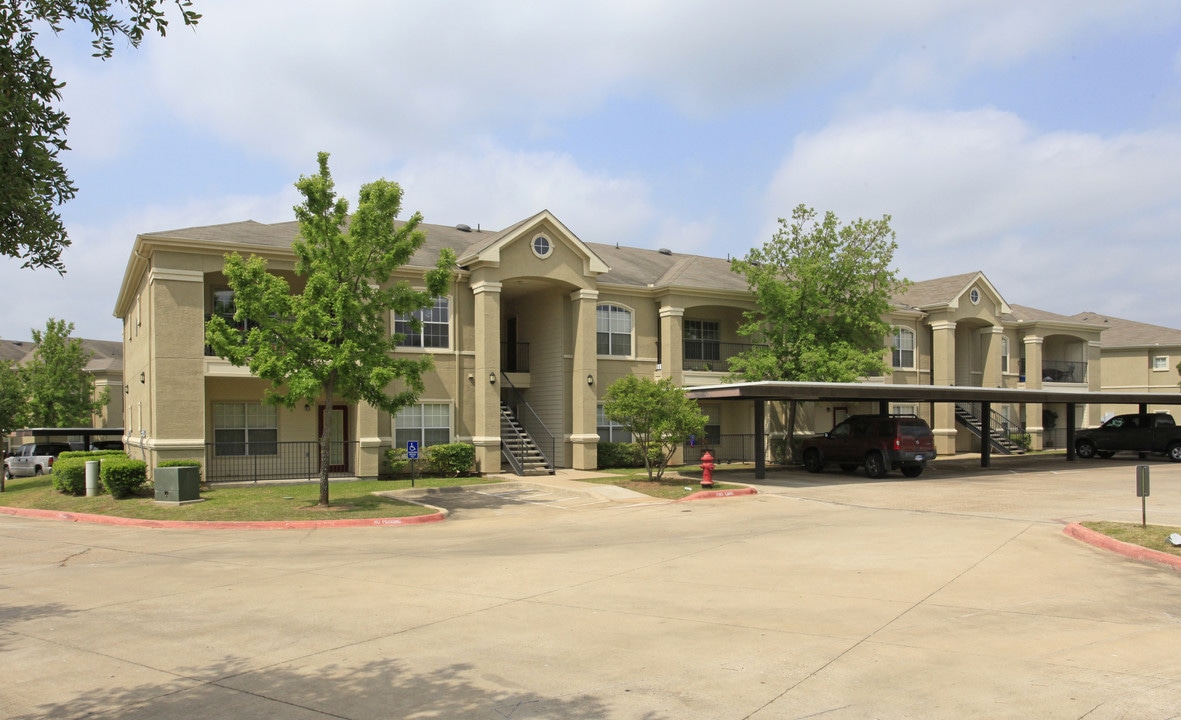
x: 535, y: 328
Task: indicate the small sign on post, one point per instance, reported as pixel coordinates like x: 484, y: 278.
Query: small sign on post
x: 412, y: 456
x: 1142, y: 493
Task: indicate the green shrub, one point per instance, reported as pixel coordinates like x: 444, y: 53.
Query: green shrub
x: 396, y: 460
x: 181, y: 463
x: 69, y: 475
x: 451, y: 460
x: 620, y: 455
x: 92, y: 454
x: 1022, y: 439
x: 122, y: 478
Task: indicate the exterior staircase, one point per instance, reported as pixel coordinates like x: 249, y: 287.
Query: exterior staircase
x: 518, y: 448
x: 1000, y: 429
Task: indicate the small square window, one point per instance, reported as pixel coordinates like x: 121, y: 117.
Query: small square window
x: 1160, y: 362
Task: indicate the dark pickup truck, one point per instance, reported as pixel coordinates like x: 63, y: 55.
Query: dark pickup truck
x: 1153, y: 432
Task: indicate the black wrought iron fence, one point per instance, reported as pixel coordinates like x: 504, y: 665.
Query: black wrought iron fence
x: 724, y: 448
x: 237, y: 462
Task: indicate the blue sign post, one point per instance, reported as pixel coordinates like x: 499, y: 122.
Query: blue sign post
x: 412, y: 456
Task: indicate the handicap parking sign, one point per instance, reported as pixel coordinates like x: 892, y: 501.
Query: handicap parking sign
x: 411, y: 449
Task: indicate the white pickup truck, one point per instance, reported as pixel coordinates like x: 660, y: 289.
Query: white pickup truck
x: 33, y: 459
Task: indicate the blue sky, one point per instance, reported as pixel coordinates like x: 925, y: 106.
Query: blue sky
x: 1039, y: 143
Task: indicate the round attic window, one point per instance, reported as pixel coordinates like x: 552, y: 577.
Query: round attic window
x: 542, y: 247
x: 974, y: 296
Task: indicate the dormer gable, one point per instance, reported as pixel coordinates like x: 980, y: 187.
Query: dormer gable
x: 542, y: 232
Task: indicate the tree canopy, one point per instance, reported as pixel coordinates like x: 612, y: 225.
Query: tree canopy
x: 58, y: 390
x: 823, y: 292
x: 332, y: 339
x: 659, y: 415
x: 33, y: 181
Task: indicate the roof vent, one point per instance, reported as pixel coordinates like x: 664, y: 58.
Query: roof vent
x: 463, y: 228
x: 665, y: 251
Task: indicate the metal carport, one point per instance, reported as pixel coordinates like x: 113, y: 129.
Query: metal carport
x: 761, y: 392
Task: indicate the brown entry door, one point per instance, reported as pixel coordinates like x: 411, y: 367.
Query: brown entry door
x: 338, y: 456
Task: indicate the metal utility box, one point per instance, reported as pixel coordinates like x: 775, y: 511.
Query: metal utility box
x: 178, y: 484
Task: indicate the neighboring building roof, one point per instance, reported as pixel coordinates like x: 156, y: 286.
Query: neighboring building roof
x: 105, y: 354
x: 1129, y: 333
x: 14, y: 349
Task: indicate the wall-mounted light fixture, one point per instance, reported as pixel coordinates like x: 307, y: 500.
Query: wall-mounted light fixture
x: 307, y: 407
x: 492, y: 378
x: 590, y: 379
x: 142, y: 378
x: 126, y: 389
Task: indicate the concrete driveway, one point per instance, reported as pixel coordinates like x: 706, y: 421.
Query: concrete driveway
x: 830, y: 596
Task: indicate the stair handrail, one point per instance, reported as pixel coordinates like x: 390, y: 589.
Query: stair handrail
x: 532, y: 423
x: 505, y: 450
x: 1001, y: 428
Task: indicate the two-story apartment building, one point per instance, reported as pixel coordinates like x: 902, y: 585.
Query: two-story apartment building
x: 536, y: 326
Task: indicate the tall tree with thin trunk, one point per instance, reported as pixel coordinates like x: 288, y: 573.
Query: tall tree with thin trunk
x: 333, y: 340
x: 823, y: 292
x: 59, y: 390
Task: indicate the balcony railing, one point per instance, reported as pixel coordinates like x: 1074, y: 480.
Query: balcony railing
x: 711, y: 355
x: 514, y: 357
x: 1065, y: 371
x: 275, y: 461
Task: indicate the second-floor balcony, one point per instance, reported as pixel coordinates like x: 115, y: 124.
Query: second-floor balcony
x: 711, y: 355
x: 1062, y: 371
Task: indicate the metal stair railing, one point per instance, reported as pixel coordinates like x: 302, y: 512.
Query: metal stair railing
x: 505, y: 448
x: 542, y: 438
x: 1001, y: 428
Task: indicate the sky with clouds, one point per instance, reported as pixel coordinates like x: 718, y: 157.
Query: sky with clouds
x: 1039, y: 142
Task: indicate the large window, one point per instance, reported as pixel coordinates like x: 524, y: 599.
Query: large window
x: 614, y: 330
x: 245, y: 429
x: 611, y: 431
x: 701, y: 342
x: 903, y: 348
x: 223, y: 307
x: 434, y: 328
x: 426, y: 423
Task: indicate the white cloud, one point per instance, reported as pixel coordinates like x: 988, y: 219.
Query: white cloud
x: 1050, y: 217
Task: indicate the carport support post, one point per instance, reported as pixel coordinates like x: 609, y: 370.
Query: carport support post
x: 883, y: 407
x: 1069, y: 431
x: 761, y: 440
x: 985, y: 433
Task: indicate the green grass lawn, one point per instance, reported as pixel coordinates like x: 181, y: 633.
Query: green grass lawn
x: 1153, y: 537
x: 350, y: 499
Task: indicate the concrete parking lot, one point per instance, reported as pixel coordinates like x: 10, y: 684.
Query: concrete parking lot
x: 824, y: 596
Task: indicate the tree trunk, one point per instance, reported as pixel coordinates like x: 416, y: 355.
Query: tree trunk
x: 791, y: 431
x: 325, y: 437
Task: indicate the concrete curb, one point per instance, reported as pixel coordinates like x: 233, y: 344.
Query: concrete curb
x: 222, y: 525
x: 1099, y: 540
x: 714, y: 494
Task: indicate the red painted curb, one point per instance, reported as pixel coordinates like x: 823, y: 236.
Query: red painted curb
x: 711, y: 494
x: 218, y: 524
x: 1099, y: 540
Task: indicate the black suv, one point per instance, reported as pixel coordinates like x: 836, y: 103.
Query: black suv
x: 880, y: 443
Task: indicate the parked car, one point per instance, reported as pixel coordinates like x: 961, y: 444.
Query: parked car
x: 879, y: 443
x: 33, y: 459
x: 1155, y: 432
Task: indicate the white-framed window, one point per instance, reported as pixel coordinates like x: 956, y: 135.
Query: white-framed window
x: 614, y: 330
x: 1160, y: 362
x: 610, y: 431
x: 426, y: 423
x: 904, y: 409
x: 903, y: 345
x: 543, y: 247
x: 974, y: 296
x: 703, y: 349
x: 244, y: 428
x: 1004, y: 354
x: 435, y: 328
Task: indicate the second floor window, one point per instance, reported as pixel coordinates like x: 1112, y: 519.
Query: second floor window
x: 701, y: 340
x: 614, y: 330
x: 1004, y: 354
x: 222, y: 306
x: 903, y: 348
x: 434, y: 331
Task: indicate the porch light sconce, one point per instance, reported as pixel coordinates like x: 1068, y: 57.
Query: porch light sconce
x: 126, y: 389
x: 492, y: 378
x: 307, y: 407
x: 590, y: 379
x: 142, y: 378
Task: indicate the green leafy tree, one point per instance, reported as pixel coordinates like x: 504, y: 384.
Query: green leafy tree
x: 59, y: 390
x: 12, y: 398
x: 823, y: 292
x: 332, y: 338
x: 33, y: 181
x: 659, y: 416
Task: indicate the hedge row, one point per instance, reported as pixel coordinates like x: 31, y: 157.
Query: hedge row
x: 448, y: 460
x: 120, y: 475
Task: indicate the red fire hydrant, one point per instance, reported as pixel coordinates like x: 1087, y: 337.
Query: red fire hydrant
x: 707, y: 470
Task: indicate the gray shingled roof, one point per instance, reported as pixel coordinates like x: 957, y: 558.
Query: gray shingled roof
x: 1129, y: 333
x: 934, y: 292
